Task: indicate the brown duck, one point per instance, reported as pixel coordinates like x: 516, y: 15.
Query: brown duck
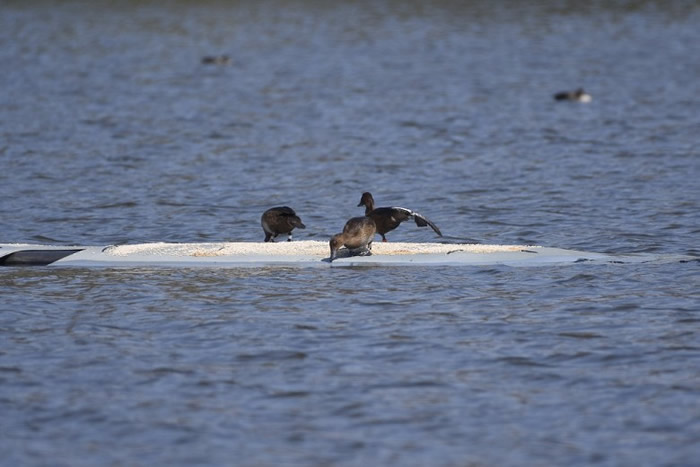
x: 280, y: 220
x: 387, y: 219
x: 357, y: 237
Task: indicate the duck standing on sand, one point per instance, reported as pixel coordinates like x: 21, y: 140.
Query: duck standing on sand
x: 280, y: 220
x: 578, y: 95
x: 387, y: 219
x: 357, y: 237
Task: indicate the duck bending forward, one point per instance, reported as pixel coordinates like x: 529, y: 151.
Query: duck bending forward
x: 280, y: 220
x: 357, y: 235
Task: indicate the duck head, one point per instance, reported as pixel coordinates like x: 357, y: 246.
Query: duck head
x: 366, y: 200
x: 336, y: 243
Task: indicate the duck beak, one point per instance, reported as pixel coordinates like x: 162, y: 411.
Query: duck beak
x: 360, y: 204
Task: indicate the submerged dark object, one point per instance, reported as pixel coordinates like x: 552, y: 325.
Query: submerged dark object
x: 388, y: 218
x: 35, y: 257
x: 280, y: 220
x: 216, y: 60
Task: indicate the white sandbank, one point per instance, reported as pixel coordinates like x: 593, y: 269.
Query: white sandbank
x: 300, y: 248
x: 306, y: 254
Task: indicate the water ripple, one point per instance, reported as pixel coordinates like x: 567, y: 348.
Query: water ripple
x: 113, y: 131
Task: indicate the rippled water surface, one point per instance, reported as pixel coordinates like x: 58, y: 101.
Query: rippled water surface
x: 113, y: 131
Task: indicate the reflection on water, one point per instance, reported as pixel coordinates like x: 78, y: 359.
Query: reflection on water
x: 114, y: 131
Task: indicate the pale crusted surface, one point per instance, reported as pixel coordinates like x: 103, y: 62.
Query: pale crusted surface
x: 297, y: 248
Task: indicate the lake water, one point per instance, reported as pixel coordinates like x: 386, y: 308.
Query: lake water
x: 113, y: 131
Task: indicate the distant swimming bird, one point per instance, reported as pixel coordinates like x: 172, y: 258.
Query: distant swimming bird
x: 280, y: 220
x: 387, y: 219
x: 216, y: 60
x: 357, y: 237
x: 578, y: 95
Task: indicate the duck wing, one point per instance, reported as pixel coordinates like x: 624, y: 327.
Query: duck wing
x: 420, y: 219
x: 284, y: 211
x: 291, y: 217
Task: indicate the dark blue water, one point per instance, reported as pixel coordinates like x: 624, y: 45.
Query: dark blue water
x: 113, y: 131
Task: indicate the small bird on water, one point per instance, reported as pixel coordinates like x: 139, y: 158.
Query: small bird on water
x: 357, y: 237
x: 578, y: 95
x: 387, y: 219
x: 216, y: 60
x: 280, y: 220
